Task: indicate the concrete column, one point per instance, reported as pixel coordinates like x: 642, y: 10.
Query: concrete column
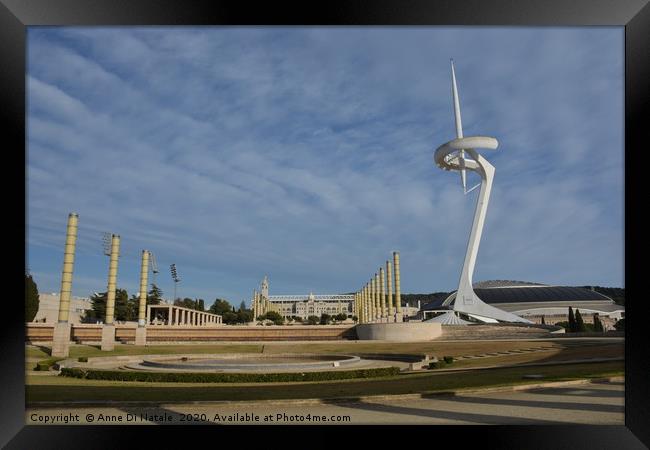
x: 148, y: 314
x: 356, y: 310
x: 364, y: 302
x: 398, y: 298
x: 144, y: 273
x: 375, y: 296
x: 389, y: 291
x: 371, y: 312
x: 361, y: 315
x: 108, y: 330
x: 254, y: 305
x: 68, y: 266
x: 140, y: 333
x: 382, y: 293
x: 112, y: 280
x: 364, y: 305
x: 371, y: 292
x: 371, y: 302
x: 61, y: 337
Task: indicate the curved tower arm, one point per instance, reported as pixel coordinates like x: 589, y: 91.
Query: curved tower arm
x: 452, y: 156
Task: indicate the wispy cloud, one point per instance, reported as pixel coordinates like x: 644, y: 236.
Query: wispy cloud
x: 306, y: 154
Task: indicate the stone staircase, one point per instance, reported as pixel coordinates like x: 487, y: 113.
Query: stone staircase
x: 496, y: 331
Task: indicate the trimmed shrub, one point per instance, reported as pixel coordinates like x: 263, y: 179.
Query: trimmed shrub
x: 179, y: 377
x: 46, y: 364
x: 82, y: 359
x: 448, y: 359
x: 41, y: 366
x: 72, y: 372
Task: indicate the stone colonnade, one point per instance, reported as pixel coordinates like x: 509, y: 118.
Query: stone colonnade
x: 179, y: 316
x: 380, y: 299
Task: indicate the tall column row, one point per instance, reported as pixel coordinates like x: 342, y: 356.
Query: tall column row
x: 379, y: 300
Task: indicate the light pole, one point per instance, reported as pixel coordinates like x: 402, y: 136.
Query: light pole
x: 175, y: 278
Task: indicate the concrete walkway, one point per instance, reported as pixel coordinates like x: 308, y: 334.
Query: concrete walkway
x: 581, y: 402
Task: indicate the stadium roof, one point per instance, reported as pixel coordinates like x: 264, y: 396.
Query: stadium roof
x: 499, y: 292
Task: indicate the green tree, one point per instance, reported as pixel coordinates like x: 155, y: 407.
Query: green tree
x: 189, y: 303
x: 313, y: 320
x: 580, y: 324
x: 97, y: 312
x: 242, y: 306
x: 220, y: 307
x: 121, y: 304
x: 31, y: 298
x: 133, y: 308
x: 154, y: 296
x: 98, y: 309
x: 244, y: 316
x: 341, y: 317
x: 273, y: 316
x: 598, y: 325
x: 229, y: 317
x: 325, y: 319
x: 572, y: 321
x: 355, y: 318
x: 201, y: 304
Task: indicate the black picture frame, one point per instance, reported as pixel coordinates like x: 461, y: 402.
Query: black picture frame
x: 634, y: 15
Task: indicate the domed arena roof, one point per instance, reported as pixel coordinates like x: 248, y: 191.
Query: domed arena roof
x: 503, y: 283
x: 500, y: 291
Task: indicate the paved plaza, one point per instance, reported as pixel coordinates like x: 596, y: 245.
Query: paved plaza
x: 596, y: 403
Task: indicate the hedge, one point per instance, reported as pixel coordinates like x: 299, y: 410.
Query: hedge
x: 186, y: 377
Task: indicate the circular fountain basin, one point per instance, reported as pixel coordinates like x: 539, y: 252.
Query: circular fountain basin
x: 250, y: 363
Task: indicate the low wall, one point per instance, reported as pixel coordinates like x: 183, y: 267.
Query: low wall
x: 37, y: 333
x: 401, y: 332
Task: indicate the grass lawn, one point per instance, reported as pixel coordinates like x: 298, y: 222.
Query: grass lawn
x: 40, y: 389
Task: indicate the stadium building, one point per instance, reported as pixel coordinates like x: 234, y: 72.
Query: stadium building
x: 533, y: 301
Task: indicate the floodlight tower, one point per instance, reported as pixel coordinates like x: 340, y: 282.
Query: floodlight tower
x: 172, y: 269
x: 460, y: 154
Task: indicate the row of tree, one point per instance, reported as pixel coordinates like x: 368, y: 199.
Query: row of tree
x: 324, y: 319
x: 576, y: 324
x: 126, y: 309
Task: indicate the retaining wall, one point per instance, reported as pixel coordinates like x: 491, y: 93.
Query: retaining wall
x: 38, y: 333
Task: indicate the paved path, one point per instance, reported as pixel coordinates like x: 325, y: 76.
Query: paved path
x: 588, y: 403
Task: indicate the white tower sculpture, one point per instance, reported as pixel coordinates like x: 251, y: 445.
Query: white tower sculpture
x: 460, y: 154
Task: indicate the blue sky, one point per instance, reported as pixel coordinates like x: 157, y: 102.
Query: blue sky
x: 307, y: 154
